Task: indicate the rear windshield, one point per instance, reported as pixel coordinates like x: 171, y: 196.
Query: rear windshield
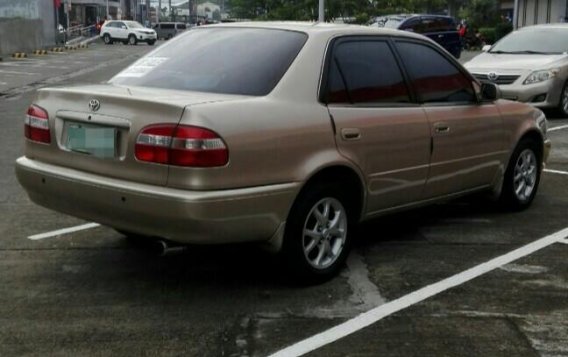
x: 218, y: 60
x: 393, y: 22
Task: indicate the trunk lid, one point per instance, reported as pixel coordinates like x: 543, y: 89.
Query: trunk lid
x: 94, y: 128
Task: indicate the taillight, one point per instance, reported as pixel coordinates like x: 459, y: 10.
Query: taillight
x: 37, y: 125
x: 181, y: 145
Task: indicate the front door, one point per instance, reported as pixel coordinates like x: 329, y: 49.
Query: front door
x: 467, y: 136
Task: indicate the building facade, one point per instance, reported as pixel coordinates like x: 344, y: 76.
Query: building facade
x: 28, y: 25
x: 87, y: 12
x: 532, y: 12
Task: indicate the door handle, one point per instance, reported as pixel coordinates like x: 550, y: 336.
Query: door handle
x: 350, y: 134
x: 441, y: 128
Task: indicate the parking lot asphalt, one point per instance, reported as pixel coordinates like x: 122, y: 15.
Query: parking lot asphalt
x: 92, y: 292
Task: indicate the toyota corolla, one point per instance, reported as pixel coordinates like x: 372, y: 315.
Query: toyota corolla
x: 286, y: 134
x: 529, y: 65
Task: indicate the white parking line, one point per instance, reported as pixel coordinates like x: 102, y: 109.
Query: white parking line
x: 370, y: 317
x: 558, y: 128
x: 563, y: 241
x: 556, y: 172
x: 22, y: 73
x: 63, y: 231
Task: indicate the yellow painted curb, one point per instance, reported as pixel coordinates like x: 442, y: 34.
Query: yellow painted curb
x: 40, y: 52
x: 19, y: 55
x: 57, y: 49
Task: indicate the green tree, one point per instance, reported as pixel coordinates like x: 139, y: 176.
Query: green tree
x: 481, y: 13
x: 356, y: 10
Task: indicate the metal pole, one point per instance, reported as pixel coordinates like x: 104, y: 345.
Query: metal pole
x: 188, y: 11
x: 56, y: 22
x: 159, y: 9
x: 107, y: 10
x: 516, y: 15
x: 321, y: 15
x: 67, y: 15
x: 170, y: 9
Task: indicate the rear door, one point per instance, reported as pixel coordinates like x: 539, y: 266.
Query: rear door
x: 377, y: 125
x: 467, y: 136
x: 121, y: 30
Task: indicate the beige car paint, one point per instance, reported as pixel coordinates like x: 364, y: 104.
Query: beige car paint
x: 468, y: 147
x: 276, y: 144
x: 393, y: 150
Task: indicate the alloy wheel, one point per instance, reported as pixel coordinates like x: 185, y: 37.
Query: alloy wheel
x: 525, y: 175
x: 324, y: 233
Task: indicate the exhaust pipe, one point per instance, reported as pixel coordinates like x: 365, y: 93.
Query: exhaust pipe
x: 165, y: 248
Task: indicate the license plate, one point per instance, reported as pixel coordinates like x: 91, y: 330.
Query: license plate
x: 92, y: 140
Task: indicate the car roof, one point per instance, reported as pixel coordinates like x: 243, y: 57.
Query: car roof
x: 317, y: 28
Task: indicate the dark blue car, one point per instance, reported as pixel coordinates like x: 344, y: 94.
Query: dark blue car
x: 442, y: 29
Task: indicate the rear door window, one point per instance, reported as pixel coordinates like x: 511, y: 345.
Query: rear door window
x: 365, y: 71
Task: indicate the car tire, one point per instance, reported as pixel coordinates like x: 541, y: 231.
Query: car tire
x: 107, y: 39
x: 316, y: 239
x: 132, y: 40
x: 563, y: 102
x: 151, y: 43
x: 522, y: 177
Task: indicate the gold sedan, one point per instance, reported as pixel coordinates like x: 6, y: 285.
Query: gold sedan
x: 287, y: 134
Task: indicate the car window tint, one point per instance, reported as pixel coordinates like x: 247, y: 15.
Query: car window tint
x: 411, y: 24
x: 181, y: 26
x: 434, y: 77
x: 247, y: 61
x: 365, y: 72
x: 167, y: 26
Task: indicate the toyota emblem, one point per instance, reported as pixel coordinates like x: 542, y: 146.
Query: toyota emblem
x: 94, y: 105
x: 492, y: 76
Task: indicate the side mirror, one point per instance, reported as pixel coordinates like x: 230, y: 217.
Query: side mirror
x: 490, y: 91
x: 486, y: 48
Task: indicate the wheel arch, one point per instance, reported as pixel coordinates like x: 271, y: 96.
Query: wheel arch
x: 347, y: 176
x: 534, y: 135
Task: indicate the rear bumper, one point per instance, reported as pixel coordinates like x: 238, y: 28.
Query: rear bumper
x: 200, y: 217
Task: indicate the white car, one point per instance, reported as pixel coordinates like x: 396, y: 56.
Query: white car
x: 129, y: 32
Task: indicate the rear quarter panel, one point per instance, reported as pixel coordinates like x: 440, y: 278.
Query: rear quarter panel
x: 285, y: 136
